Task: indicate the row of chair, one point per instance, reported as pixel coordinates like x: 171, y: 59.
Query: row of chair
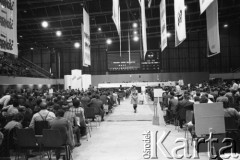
x: 50, y: 140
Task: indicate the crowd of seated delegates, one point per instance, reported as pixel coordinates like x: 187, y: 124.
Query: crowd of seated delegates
x: 13, y: 67
x: 178, y: 105
x: 28, y: 109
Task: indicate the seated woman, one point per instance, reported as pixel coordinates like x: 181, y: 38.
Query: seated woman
x: 16, y: 122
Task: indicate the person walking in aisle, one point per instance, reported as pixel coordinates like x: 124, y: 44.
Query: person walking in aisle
x: 134, y: 98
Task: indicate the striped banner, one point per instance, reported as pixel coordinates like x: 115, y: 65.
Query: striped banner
x: 163, y: 25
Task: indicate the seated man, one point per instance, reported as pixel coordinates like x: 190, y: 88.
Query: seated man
x: 97, y: 104
x: 42, y: 115
x: 64, y: 126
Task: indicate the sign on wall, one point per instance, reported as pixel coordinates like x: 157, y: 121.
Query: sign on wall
x: 8, y: 26
x: 86, y: 50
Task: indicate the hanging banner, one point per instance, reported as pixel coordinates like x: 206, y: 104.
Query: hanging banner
x: 86, y: 50
x: 204, y: 5
x: 144, y: 33
x: 116, y: 18
x: 180, y: 23
x: 149, y: 3
x: 8, y: 27
x: 213, y: 29
x: 163, y: 25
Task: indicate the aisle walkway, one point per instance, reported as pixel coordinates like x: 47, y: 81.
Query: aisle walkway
x: 120, y: 136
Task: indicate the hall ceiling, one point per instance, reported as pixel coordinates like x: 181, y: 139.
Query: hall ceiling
x: 66, y: 16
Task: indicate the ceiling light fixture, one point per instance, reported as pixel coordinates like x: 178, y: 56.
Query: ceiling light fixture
x: 169, y: 34
x: 58, y: 33
x: 109, y: 41
x: 136, y: 38
x: 225, y: 25
x: 99, y: 29
x: 76, y: 44
x: 44, y: 24
x: 135, y: 25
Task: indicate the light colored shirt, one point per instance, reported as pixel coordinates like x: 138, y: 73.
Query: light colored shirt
x: 4, y: 100
x: 49, y: 116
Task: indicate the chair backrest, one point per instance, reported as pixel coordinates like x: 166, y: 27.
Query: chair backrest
x: 26, y: 138
x: 40, y: 125
x: 89, y: 112
x: 230, y: 124
x: 52, y: 138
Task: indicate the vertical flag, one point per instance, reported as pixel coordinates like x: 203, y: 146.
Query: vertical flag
x: 149, y: 3
x: 129, y: 50
x: 180, y: 24
x: 213, y: 29
x: 204, y: 5
x: 116, y: 19
x: 86, y: 51
x: 163, y: 25
x: 144, y: 34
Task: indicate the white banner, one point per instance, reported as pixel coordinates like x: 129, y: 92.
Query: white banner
x: 163, y: 25
x: 180, y: 23
x: 8, y: 27
x: 213, y: 29
x: 144, y: 22
x: 204, y: 5
x: 116, y: 18
x: 86, y: 46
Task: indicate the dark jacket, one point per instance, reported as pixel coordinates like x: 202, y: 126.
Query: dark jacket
x: 182, y: 107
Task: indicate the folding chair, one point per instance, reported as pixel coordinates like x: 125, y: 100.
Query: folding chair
x: 26, y: 140
x: 53, y: 140
x: 82, y: 121
x: 90, y: 114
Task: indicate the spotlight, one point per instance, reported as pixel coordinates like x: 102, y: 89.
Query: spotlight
x: 44, y: 24
x: 169, y: 34
x: 135, y: 32
x: 58, y: 33
x: 135, y: 25
x: 109, y: 41
x: 225, y: 25
x: 185, y: 7
x: 136, y: 38
x: 31, y: 48
x: 99, y: 29
x: 76, y: 44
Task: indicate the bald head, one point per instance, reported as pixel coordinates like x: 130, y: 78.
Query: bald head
x: 43, y: 105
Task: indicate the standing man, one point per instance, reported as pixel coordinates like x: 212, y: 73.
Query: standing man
x: 134, y: 98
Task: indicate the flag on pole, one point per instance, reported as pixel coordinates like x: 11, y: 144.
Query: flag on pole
x: 163, y: 25
x: 129, y: 50
x: 213, y: 29
x: 116, y: 19
x: 144, y: 34
x: 180, y: 24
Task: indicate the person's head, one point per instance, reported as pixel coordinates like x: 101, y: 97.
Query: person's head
x: 198, y: 94
x: 76, y: 103
x: 222, y: 93
x: 60, y: 113
x: 38, y: 101
x: 43, y: 105
x: 18, y: 117
x: 203, y: 99
x: 15, y: 103
x: 97, y: 96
